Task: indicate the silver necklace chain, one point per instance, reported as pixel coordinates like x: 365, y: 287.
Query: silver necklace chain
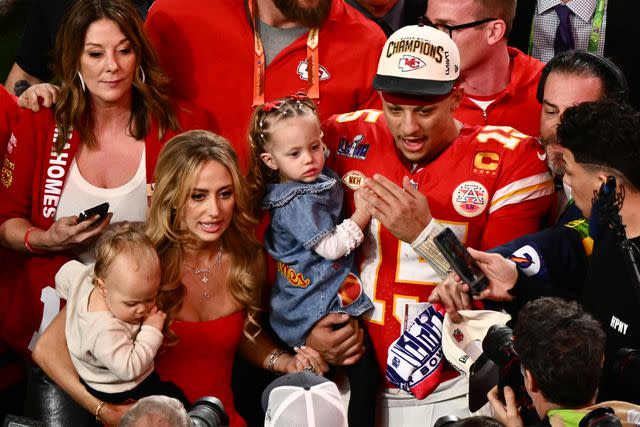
x: 203, y: 272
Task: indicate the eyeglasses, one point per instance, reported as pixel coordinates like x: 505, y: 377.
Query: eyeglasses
x: 445, y: 28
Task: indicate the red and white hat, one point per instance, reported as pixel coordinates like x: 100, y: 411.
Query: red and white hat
x: 462, y: 342
x: 418, y: 60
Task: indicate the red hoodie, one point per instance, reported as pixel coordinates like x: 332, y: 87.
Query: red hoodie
x: 517, y: 105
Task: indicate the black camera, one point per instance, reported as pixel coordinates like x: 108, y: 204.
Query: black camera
x: 208, y: 411
x: 498, y: 346
x: 600, y: 417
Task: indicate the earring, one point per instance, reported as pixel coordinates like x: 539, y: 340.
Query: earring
x: 143, y: 77
x: 84, y: 87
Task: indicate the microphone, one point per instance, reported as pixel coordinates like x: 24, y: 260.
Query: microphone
x: 605, y: 212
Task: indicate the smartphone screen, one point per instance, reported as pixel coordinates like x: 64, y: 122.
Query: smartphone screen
x: 460, y: 260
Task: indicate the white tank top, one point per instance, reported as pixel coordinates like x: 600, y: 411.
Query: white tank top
x: 127, y: 202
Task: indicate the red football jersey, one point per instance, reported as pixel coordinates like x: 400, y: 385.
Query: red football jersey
x: 489, y: 186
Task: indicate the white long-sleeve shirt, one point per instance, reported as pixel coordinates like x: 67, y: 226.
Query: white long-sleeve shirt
x: 110, y: 355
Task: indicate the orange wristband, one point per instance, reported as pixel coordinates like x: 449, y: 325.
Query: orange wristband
x: 27, y: 245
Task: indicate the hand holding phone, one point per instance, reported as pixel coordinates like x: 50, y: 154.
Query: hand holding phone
x: 461, y: 261
x: 101, y: 210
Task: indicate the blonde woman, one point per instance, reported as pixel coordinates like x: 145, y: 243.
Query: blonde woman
x: 212, y: 275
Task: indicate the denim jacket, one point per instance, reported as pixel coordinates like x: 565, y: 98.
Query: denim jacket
x: 308, y: 286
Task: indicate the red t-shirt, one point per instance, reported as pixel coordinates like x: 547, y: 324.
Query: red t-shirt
x: 516, y: 106
x: 9, y: 112
x: 207, y: 48
x: 489, y: 186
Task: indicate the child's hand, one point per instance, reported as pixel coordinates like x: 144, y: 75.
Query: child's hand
x: 155, y: 318
x: 361, y: 216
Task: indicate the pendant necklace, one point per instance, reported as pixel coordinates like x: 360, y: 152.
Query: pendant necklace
x: 203, y: 272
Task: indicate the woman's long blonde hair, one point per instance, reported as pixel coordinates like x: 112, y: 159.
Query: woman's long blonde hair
x: 177, y: 168
x: 149, y: 98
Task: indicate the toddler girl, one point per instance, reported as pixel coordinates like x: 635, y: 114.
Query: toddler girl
x: 310, y: 242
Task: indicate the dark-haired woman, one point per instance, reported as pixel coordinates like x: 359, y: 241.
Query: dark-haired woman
x: 99, y: 144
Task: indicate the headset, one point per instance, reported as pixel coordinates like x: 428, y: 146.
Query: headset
x: 572, y: 60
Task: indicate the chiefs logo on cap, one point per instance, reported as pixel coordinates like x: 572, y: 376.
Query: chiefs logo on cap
x: 350, y: 290
x: 410, y: 63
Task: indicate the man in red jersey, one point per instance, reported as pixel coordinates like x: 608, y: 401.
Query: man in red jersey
x: 420, y: 170
x: 227, y: 56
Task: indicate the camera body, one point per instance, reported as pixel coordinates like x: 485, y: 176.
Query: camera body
x: 498, y: 346
x: 208, y: 411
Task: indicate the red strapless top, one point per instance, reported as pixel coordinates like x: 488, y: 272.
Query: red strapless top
x: 200, y: 364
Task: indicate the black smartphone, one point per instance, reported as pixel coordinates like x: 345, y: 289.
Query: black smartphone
x: 460, y: 260
x: 101, y: 209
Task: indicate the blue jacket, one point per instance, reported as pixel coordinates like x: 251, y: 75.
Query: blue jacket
x: 308, y: 286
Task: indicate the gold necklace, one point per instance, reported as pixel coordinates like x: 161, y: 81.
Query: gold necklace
x: 203, y: 272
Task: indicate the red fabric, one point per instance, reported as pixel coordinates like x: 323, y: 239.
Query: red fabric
x: 391, y: 271
x: 26, y: 193
x: 207, y: 50
x: 9, y: 112
x: 10, y: 371
x: 200, y: 364
x: 517, y: 105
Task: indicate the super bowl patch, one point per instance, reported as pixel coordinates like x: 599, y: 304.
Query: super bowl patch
x: 470, y: 199
x: 354, y: 179
x: 355, y: 148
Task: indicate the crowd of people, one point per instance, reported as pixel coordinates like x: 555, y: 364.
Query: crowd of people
x: 275, y: 173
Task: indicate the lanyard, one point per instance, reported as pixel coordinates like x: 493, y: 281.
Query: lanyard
x: 596, y: 29
x: 313, y: 69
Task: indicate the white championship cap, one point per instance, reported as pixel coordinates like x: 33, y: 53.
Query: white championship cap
x: 303, y: 399
x: 418, y: 60
x: 462, y: 342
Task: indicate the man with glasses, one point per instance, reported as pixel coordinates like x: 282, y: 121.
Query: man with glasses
x: 499, y: 82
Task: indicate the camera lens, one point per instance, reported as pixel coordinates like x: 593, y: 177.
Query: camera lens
x: 497, y: 344
x: 208, y: 412
x: 600, y: 417
x: 445, y: 420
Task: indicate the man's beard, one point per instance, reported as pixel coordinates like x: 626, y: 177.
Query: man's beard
x: 310, y: 17
x: 554, y: 158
